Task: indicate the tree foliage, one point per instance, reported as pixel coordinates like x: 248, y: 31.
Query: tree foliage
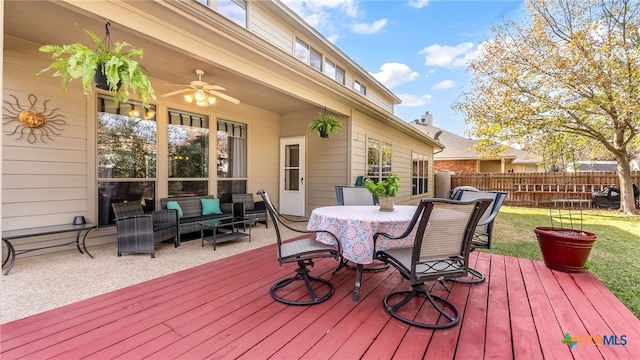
x: 571, y: 68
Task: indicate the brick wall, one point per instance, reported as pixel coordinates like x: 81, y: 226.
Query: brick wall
x: 455, y: 165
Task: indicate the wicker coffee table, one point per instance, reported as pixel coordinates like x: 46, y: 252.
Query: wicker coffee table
x: 225, y: 230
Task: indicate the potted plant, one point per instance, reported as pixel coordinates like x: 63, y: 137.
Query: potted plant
x: 122, y: 72
x: 564, y: 245
x: 325, y: 125
x: 384, y: 190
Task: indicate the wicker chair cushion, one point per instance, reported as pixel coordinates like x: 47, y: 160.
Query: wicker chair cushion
x: 173, y: 205
x: 247, y: 199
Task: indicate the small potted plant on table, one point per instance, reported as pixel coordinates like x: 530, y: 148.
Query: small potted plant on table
x: 384, y: 190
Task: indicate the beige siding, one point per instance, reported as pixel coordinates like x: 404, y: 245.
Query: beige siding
x: 265, y: 25
x: 326, y: 159
x: 44, y: 182
x: 402, y: 147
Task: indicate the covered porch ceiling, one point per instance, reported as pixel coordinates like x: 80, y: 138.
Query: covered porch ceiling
x: 55, y: 23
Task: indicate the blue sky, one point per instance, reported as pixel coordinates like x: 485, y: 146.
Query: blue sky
x: 417, y: 48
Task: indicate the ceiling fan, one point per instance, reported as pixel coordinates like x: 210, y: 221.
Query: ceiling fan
x: 203, y: 93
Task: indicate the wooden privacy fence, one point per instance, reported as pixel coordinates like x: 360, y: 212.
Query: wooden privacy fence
x: 542, y: 189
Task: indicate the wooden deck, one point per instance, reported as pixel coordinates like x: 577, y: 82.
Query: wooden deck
x: 223, y: 310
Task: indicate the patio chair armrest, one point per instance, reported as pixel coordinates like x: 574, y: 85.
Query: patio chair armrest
x: 237, y: 209
x: 137, y: 222
x: 165, y: 216
x: 227, y: 208
x: 260, y: 205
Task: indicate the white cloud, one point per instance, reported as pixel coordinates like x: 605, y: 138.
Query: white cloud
x: 372, y: 28
x: 449, y: 56
x: 410, y: 100
x: 394, y: 74
x: 418, y: 4
x: 446, y: 84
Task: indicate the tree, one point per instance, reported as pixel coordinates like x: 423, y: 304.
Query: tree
x: 571, y: 67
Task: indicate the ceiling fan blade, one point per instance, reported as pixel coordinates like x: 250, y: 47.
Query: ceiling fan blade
x: 214, y: 87
x: 175, y: 92
x: 224, y: 96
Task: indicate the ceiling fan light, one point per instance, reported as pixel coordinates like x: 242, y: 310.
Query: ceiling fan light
x: 189, y: 98
x: 134, y: 112
x: 199, y: 95
x: 211, y: 100
x: 201, y: 103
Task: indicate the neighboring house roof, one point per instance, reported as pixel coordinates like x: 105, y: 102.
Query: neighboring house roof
x: 457, y: 147
x: 600, y: 165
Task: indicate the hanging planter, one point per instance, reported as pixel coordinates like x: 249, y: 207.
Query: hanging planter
x: 100, y: 79
x: 325, y: 126
x: 113, y: 69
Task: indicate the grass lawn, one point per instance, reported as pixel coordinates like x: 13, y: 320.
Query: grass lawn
x: 613, y: 259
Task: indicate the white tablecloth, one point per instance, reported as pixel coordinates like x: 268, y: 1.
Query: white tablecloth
x: 355, y: 226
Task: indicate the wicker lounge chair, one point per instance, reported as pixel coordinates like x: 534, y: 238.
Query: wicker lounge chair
x: 440, y: 252
x: 244, y: 206
x: 138, y: 232
x: 302, y: 249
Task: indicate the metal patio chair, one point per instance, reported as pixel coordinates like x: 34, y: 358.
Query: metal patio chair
x: 302, y: 249
x: 347, y: 195
x: 354, y: 195
x: 440, y: 252
x: 484, y: 231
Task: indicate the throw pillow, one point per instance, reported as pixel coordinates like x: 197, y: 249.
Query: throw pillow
x: 173, y: 205
x: 210, y: 206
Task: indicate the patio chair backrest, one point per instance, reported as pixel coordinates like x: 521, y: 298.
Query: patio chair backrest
x: 354, y: 195
x: 442, y: 240
x: 485, y: 225
x: 126, y: 209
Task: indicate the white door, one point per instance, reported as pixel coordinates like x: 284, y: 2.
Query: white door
x: 292, y: 193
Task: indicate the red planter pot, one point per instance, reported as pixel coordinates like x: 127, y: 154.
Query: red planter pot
x: 564, y: 250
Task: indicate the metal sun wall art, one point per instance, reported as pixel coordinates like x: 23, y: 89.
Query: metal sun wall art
x: 34, y: 123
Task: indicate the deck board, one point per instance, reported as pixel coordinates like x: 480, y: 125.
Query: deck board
x: 223, y: 310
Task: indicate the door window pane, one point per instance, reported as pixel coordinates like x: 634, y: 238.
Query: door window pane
x: 292, y: 167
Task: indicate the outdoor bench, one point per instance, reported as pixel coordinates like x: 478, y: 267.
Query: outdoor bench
x: 8, y: 235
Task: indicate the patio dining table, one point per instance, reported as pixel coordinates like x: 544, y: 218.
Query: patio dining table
x: 354, y: 226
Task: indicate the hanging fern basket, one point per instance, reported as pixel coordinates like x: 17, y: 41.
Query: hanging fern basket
x: 100, y: 79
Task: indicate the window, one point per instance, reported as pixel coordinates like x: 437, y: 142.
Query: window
x: 188, y: 147
x: 420, y: 174
x: 231, y: 157
x: 530, y: 168
x: 378, y: 160
x: 333, y: 71
x: 126, y: 155
x: 234, y: 10
x: 359, y: 87
x: 308, y: 55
